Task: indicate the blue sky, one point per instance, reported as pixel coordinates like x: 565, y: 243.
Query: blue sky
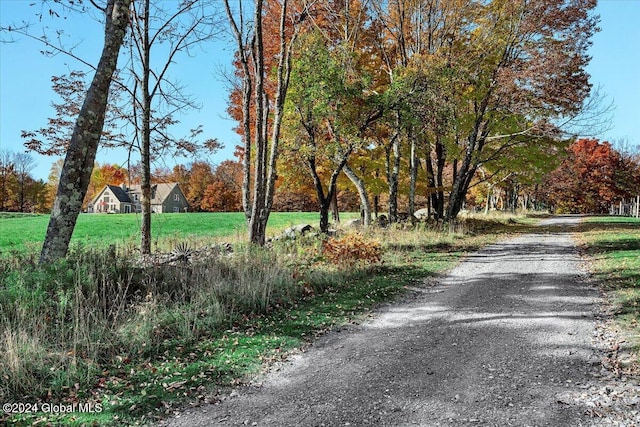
x: 26, y: 94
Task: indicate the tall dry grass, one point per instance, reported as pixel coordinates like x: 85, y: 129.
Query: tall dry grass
x: 60, y: 324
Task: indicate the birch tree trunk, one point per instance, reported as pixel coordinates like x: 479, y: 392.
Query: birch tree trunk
x: 81, y: 154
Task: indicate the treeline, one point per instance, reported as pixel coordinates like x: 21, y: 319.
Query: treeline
x: 19, y: 191
x: 589, y: 176
x: 208, y: 187
x: 218, y: 188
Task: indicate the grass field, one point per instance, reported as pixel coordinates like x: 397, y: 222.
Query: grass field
x: 19, y: 232
x: 613, y: 245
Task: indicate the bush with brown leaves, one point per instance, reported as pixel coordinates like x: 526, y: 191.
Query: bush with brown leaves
x: 351, y: 250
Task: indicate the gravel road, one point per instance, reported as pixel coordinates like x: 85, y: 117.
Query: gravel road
x: 505, y: 339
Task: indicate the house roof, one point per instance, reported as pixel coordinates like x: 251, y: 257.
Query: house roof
x: 119, y: 193
x: 159, y: 192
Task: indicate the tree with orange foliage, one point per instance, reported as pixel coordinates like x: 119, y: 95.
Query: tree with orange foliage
x: 264, y: 83
x: 227, y: 181
x: 590, y: 179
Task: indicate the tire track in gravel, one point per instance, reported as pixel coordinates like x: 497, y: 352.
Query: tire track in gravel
x: 497, y: 342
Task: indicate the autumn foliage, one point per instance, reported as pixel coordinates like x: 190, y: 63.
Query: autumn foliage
x: 591, y: 178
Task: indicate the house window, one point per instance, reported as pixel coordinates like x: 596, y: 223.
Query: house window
x: 176, y: 198
x: 176, y: 209
x: 106, y: 193
x: 135, y: 197
x: 106, y: 200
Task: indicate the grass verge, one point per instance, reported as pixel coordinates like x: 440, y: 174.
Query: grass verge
x: 613, y: 247
x: 111, y: 343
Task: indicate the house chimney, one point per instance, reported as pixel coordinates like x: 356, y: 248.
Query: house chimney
x: 123, y: 186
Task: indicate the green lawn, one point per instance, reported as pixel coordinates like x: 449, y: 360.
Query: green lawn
x: 613, y: 244
x: 26, y: 232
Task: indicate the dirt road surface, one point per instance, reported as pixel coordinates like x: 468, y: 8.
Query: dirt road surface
x: 502, y: 340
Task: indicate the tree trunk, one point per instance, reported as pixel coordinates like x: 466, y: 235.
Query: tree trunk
x: 489, y: 198
x: 5, y: 166
x: 376, y: 205
x: 257, y: 202
x: 459, y: 192
x: 324, y: 216
x: 393, y: 171
x: 81, y: 153
x: 335, y: 211
x: 413, y: 175
x: 283, y: 77
x: 365, y: 206
x: 21, y: 191
x: 325, y: 201
x: 145, y: 152
x: 432, y: 197
x: 465, y: 171
x: 440, y: 163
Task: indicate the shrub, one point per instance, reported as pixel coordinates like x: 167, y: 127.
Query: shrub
x: 352, y: 250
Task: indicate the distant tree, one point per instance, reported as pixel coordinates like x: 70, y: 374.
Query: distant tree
x: 589, y: 180
x: 35, y: 199
x: 23, y: 164
x: 287, y: 200
x: 52, y: 182
x: 19, y: 191
x: 229, y: 172
x: 218, y: 197
x: 628, y: 175
x: 200, y: 177
x: 7, y: 175
x: 105, y: 174
x: 227, y: 182
x: 180, y: 174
